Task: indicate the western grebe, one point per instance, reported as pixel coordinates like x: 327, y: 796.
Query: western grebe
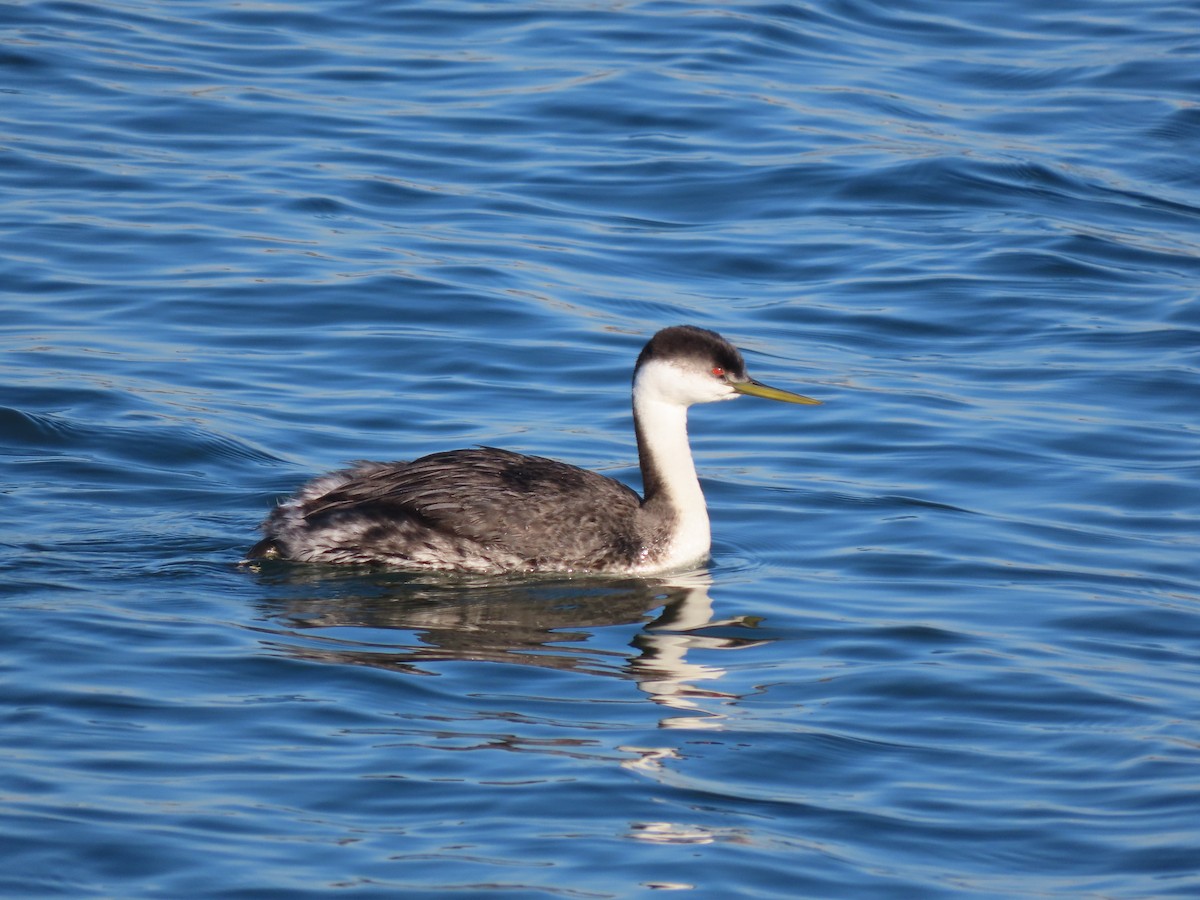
x: 492, y: 511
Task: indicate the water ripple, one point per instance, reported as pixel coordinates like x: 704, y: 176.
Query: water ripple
x: 946, y: 644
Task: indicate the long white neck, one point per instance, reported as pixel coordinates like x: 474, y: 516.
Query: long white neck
x: 668, y: 473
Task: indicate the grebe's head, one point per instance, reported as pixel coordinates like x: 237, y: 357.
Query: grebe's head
x: 683, y: 364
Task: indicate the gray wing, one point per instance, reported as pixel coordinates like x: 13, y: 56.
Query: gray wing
x: 526, y: 505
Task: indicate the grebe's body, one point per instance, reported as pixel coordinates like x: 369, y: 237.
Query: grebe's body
x: 491, y: 511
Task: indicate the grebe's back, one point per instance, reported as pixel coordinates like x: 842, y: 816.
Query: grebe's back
x: 478, y: 510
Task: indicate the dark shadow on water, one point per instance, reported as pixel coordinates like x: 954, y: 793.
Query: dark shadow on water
x: 641, y: 630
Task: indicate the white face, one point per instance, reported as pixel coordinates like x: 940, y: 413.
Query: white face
x: 682, y: 385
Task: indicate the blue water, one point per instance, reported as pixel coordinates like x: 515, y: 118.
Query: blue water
x: 949, y: 642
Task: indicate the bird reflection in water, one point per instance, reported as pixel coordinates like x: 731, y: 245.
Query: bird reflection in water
x: 550, y: 623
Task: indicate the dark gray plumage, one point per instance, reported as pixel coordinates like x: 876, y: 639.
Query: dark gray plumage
x: 489, y: 510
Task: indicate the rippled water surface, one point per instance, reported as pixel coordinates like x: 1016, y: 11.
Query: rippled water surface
x: 949, y: 642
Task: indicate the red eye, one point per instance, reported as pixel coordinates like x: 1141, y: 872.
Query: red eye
x: 718, y: 371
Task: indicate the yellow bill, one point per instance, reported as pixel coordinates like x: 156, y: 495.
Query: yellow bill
x: 758, y: 389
